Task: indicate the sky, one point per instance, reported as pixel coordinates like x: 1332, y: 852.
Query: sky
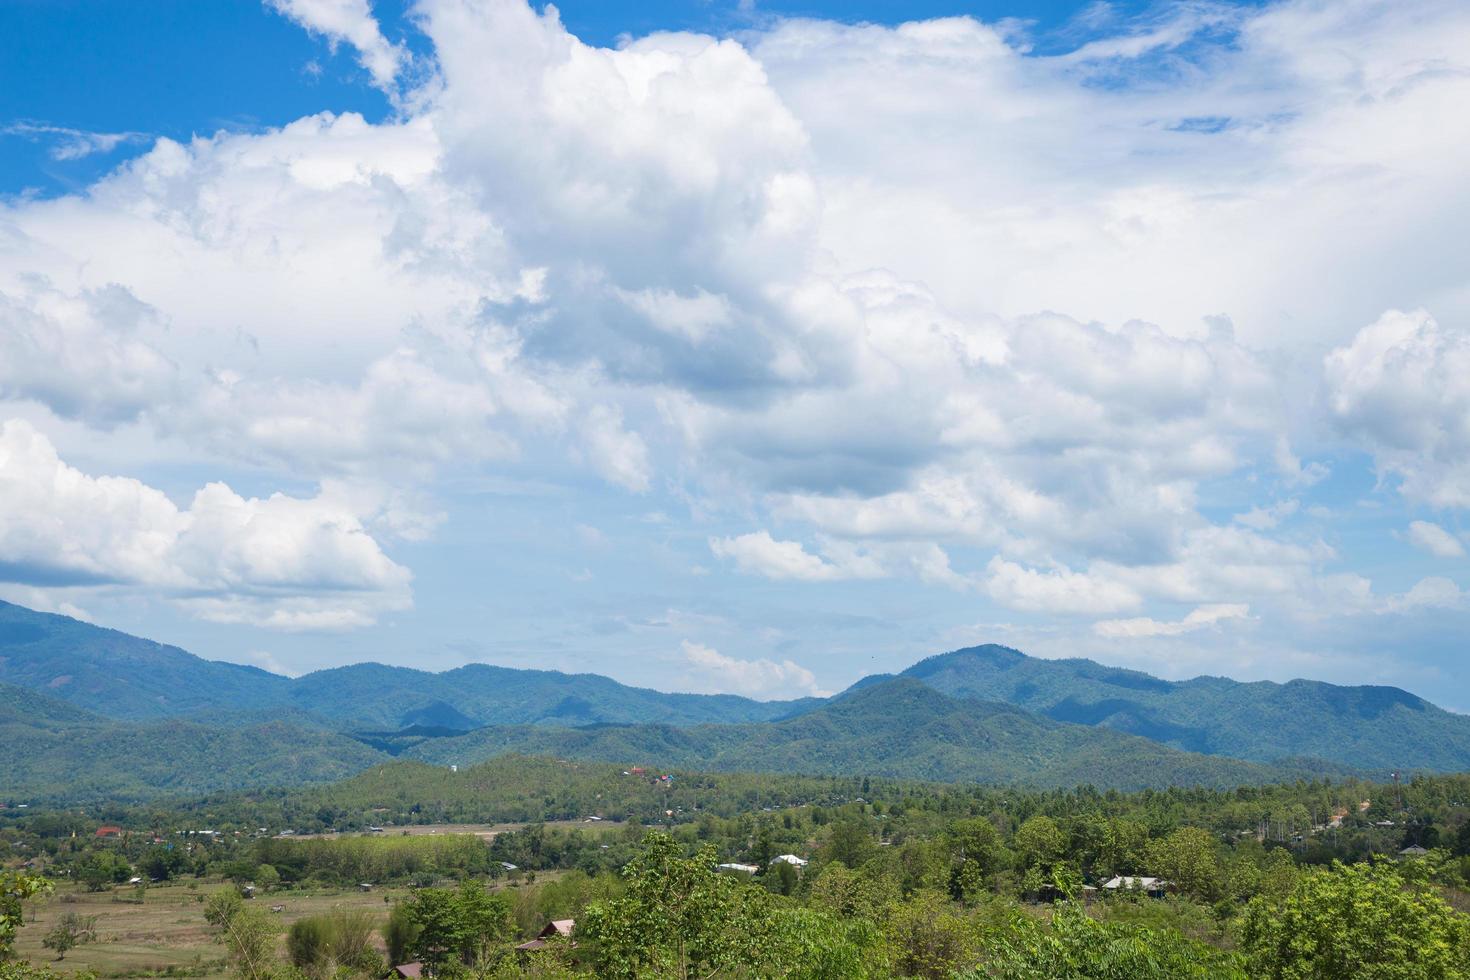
x: 750, y: 347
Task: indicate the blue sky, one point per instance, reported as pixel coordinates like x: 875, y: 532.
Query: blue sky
x: 742, y: 347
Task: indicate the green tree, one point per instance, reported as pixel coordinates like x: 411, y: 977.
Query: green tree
x: 468, y: 925
x: 1074, y: 946
x: 70, y: 931
x: 1040, y: 842
x: 221, y: 907
x: 16, y: 889
x: 975, y: 853
x: 250, y: 935
x: 1189, y: 859
x: 400, y: 933
x: 678, y: 918
x: 1359, y: 922
x: 929, y: 938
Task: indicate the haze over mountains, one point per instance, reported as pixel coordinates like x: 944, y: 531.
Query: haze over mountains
x: 87, y: 712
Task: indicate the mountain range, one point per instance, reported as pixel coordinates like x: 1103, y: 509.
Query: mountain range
x: 92, y: 713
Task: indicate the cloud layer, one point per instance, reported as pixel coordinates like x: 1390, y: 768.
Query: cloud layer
x: 1070, y: 338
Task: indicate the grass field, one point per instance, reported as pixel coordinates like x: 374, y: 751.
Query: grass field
x: 166, y: 933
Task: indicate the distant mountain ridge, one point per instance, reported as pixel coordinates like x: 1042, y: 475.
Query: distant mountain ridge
x: 1366, y: 727
x: 900, y: 728
x: 90, y: 707
x: 131, y: 679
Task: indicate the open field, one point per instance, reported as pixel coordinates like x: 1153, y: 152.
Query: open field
x: 166, y: 932
x: 486, y: 831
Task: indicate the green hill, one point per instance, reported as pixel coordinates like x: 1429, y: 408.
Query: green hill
x: 1365, y: 728
x: 118, y: 675
x: 374, y: 696
x: 898, y: 728
x: 127, y: 678
x: 50, y: 750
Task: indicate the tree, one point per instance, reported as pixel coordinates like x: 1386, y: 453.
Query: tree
x: 1355, y: 921
x: 929, y: 938
x: 70, y: 931
x: 848, y: 841
x: 15, y: 890
x: 679, y: 918
x: 1075, y: 947
x: 250, y: 935
x: 465, y: 925
x: 400, y: 933
x: 1189, y: 859
x: 1124, y: 847
x: 222, y: 906
x: 1039, y: 841
x: 975, y: 852
x: 319, y: 944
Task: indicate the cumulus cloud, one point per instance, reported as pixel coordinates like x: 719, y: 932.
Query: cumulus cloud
x: 1435, y: 540
x: 765, y: 679
x: 758, y: 553
x: 91, y: 354
x: 279, y: 561
x: 1058, y: 590
x: 1433, y: 592
x: 1403, y: 386
x: 942, y: 308
x: 1143, y: 627
x: 350, y: 22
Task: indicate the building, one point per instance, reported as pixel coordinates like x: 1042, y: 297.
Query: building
x: 557, y: 929
x: 790, y: 859
x: 109, y: 832
x: 746, y: 869
x: 1414, y: 851
x: 1152, y: 887
x: 409, y: 971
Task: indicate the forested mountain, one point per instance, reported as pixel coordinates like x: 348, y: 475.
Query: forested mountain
x: 124, y: 677
x: 51, y: 750
x: 92, y: 712
x: 1363, y: 727
x: 374, y: 696
x: 897, y: 728
x: 118, y: 675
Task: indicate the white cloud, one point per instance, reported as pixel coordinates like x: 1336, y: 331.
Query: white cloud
x: 758, y: 553
x: 1403, y: 387
x: 72, y: 144
x: 91, y: 354
x: 618, y: 455
x: 768, y: 679
x: 801, y: 277
x: 1059, y: 590
x: 1433, y: 592
x: 280, y: 561
x: 1267, y: 517
x: 1198, y: 619
x: 350, y: 22
x: 1435, y: 540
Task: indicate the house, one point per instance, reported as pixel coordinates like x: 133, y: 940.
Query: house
x: 1152, y: 887
x: 409, y: 971
x: 558, y: 928
x: 1414, y: 851
x: 790, y: 859
x: 507, y: 866
x: 365, y: 886
x: 745, y: 869
x: 107, y: 831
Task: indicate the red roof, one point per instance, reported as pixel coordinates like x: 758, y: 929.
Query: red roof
x: 411, y: 971
x: 109, y: 831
